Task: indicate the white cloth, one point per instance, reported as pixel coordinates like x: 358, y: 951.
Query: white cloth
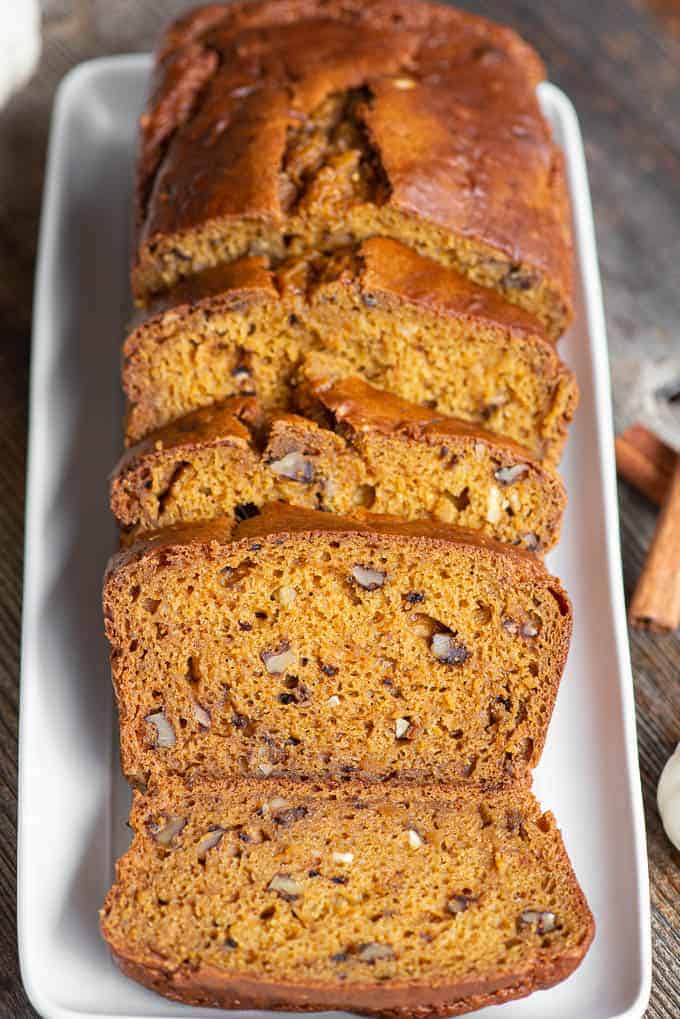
x: 19, y: 44
x: 648, y: 386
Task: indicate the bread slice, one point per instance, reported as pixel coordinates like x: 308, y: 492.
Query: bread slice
x: 284, y: 127
x: 310, y: 645
x: 369, y: 449
x: 400, y: 321
x: 381, y: 900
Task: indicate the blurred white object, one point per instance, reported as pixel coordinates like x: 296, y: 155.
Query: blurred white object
x: 19, y: 44
x: 668, y: 797
x: 651, y: 390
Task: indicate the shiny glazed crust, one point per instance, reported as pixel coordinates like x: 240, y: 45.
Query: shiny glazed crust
x: 435, y: 84
x: 350, y: 402
x: 363, y: 408
x: 232, y: 422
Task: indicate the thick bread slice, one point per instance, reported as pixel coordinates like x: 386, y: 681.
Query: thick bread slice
x: 299, y: 125
x: 402, y: 322
x: 369, y: 449
x: 382, y: 900
x: 307, y: 645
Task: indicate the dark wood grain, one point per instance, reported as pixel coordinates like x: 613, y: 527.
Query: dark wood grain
x: 619, y: 60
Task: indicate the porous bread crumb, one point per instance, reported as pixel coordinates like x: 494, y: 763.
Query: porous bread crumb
x: 268, y: 898
x: 194, y: 616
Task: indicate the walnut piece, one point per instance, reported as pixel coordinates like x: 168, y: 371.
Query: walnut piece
x: 460, y: 903
x: 509, y: 475
x: 343, y: 857
x: 285, y: 886
x: 202, y: 716
x: 372, y: 952
x: 164, y: 833
x: 295, y: 467
x: 494, y: 505
x: 401, y: 728
x: 212, y: 838
x: 544, y: 920
x: 279, y: 659
x: 276, y: 803
x: 165, y: 734
x: 447, y: 650
x: 414, y: 839
x: 287, y: 596
x: 367, y: 577
x: 284, y: 818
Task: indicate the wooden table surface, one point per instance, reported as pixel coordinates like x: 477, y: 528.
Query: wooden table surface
x: 619, y: 60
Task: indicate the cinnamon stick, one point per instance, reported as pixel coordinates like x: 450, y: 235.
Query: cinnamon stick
x: 645, y: 462
x: 655, y: 604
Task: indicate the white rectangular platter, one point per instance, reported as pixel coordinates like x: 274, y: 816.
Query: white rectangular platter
x: 73, y: 802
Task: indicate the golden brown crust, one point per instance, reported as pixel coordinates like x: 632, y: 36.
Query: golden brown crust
x: 356, y: 445
x: 434, y: 84
x: 363, y: 408
x: 228, y: 287
x: 278, y: 518
x: 206, y: 986
x: 315, y: 49
x: 279, y: 521
x: 392, y: 271
x: 351, y: 402
x: 229, y: 422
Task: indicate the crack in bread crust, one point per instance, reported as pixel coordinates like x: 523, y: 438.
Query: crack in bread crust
x: 368, y: 120
x: 353, y: 258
